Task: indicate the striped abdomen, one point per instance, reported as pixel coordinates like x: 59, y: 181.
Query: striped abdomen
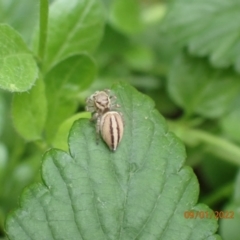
x: 111, y: 127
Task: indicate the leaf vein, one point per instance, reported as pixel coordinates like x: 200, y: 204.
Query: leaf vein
x: 73, y: 31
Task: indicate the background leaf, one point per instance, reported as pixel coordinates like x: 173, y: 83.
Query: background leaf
x: 61, y: 138
x: 125, y: 15
x: 230, y: 227
x: 22, y: 174
x: 211, y: 163
x: 230, y: 124
x: 199, y: 88
x: 140, y: 191
x: 63, y: 84
x: 29, y: 112
x: 12, y: 12
x: 230, y: 121
x: 139, y: 58
x: 73, y: 28
x: 18, y: 70
x: 207, y: 28
x: 2, y: 111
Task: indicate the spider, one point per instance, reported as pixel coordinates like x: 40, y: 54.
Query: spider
x: 109, y: 123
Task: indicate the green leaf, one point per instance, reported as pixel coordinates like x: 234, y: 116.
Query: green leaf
x: 3, y: 159
x: 230, y: 122
x: 18, y: 70
x: 229, y: 225
x: 199, y: 88
x: 141, y: 191
x: 29, y: 111
x: 2, y: 112
x: 236, y: 196
x: 74, y: 27
x: 14, y: 177
x: 113, y: 43
x: 208, y: 28
x: 139, y: 58
x: 125, y: 15
x: 210, y: 164
x: 12, y: 12
x: 61, y: 137
x: 63, y: 84
x: 154, y: 12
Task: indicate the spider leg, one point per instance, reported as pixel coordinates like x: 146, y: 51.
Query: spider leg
x: 98, y: 126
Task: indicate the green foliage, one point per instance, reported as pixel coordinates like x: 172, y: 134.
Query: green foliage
x: 120, y: 17
x: 74, y: 31
x: 12, y: 12
x: 18, y: 70
x: 230, y: 122
x: 63, y: 84
x: 2, y: 111
x: 207, y: 28
x: 139, y: 190
x: 183, y: 54
x: 211, y: 91
x: 73, y: 28
x: 230, y: 227
x: 29, y: 109
x: 139, y: 58
x: 61, y: 137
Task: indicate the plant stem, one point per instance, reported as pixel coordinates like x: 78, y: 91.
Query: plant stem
x: 43, y: 28
x: 217, y: 145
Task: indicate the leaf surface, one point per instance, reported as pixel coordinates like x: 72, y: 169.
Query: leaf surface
x: 18, y: 70
x: 3, y: 111
x: 125, y: 15
x: 74, y: 27
x: 12, y: 12
x: 141, y: 191
x: 208, y: 28
x: 230, y: 121
x: 230, y: 220
x: 199, y: 88
x: 29, y: 112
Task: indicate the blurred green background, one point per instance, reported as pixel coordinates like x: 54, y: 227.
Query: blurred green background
x: 185, y: 55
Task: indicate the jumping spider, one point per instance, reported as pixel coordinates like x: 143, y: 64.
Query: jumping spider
x: 108, y: 122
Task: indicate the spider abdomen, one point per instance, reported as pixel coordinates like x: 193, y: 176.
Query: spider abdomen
x: 111, y: 128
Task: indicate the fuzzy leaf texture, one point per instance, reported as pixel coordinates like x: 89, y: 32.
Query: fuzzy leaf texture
x: 141, y: 191
x: 18, y: 70
x: 208, y: 28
